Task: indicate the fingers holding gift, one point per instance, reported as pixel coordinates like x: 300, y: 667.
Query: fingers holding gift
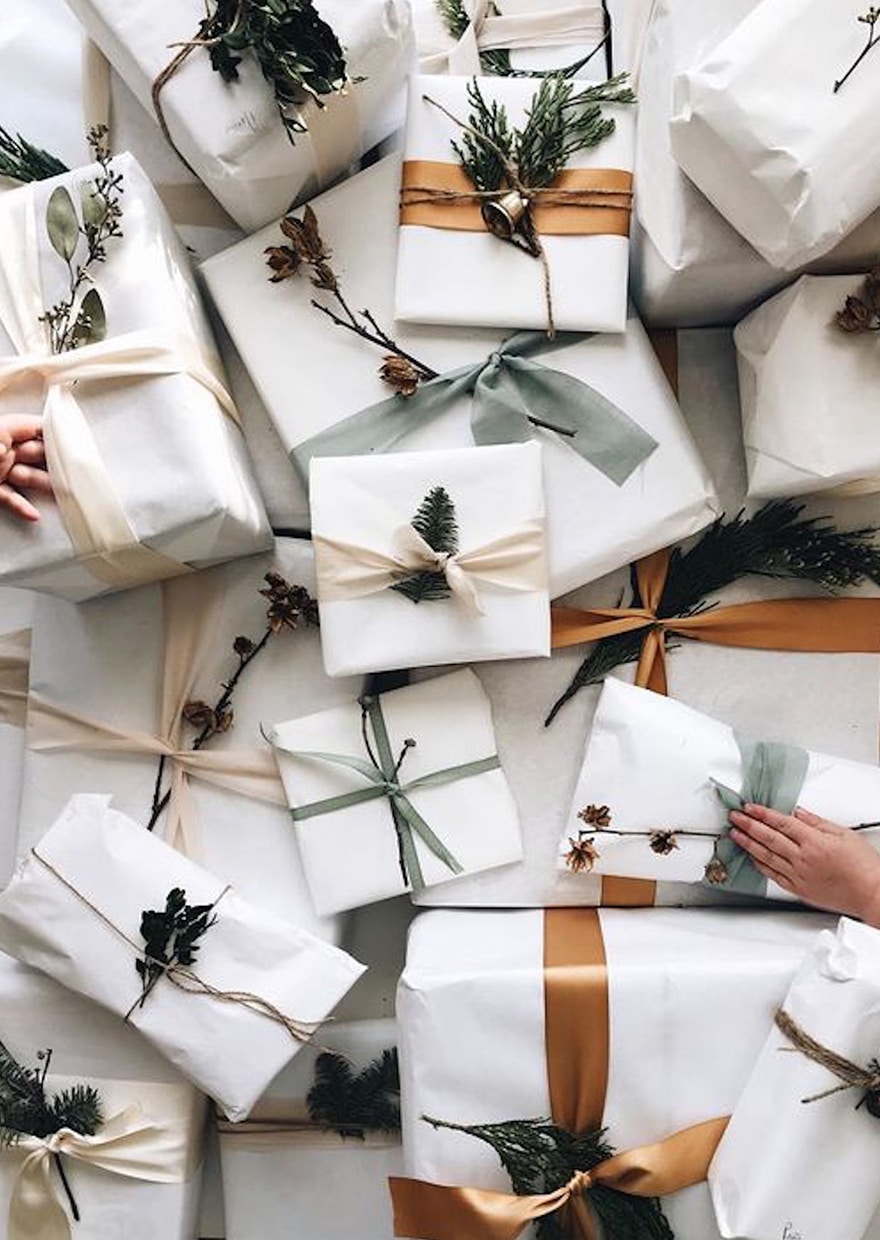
x: 763, y: 852
x: 16, y: 504
x: 29, y: 478
x: 757, y: 830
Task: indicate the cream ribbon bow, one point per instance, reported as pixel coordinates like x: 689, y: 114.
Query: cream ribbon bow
x: 581, y: 21
x: 513, y: 561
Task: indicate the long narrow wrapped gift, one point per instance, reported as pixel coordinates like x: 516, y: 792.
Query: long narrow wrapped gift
x: 282, y: 1164
x: 631, y: 504
x: 230, y: 131
x: 799, y: 1156
x: 227, y: 992
x: 789, y: 169
x: 658, y: 779
x: 401, y: 792
x: 645, y: 1023
x: 144, y: 449
x: 140, y: 1174
x: 15, y: 654
x: 111, y: 682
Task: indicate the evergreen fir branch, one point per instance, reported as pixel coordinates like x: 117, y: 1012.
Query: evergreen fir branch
x: 21, y: 161
x: 435, y: 521
x: 485, y: 163
x: 355, y: 1103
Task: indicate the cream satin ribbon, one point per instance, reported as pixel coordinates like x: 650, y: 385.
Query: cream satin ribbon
x: 572, y: 23
x: 513, y: 561
x: 103, y: 538
x: 15, y: 657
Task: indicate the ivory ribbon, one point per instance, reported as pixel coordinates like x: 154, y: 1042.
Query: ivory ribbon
x: 582, y: 23
x: 577, y: 1046
x: 15, y: 656
x: 513, y: 561
x: 580, y: 202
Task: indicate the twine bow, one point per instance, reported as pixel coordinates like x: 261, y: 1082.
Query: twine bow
x: 850, y: 1075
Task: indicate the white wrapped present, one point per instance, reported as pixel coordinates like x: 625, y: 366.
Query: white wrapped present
x: 148, y: 462
x: 109, y: 684
x: 399, y: 793
x: 389, y: 597
x: 230, y: 1019
x: 647, y: 799
x: 799, y: 1156
x: 789, y: 169
x: 666, y: 497
x: 147, y: 1184
x: 278, y: 1165
x: 15, y: 652
x: 805, y: 388
x: 483, y: 1037
x: 231, y: 133
x: 451, y: 270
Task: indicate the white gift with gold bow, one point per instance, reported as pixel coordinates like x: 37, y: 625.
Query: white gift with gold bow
x: 16, y: 607
x: 372, y: 849
x: 257, y: 991
x: 279, y: 1165
x: 144, y: 449
x: 792, y: 168
x: 110, y: 681
x: 497, y: 605
x: 231, y: 133
x: 140, y: 1175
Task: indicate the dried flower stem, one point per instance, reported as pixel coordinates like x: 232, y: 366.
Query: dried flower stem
x: 699, y: 835
x: 372, y: 333
x: 870, y: 19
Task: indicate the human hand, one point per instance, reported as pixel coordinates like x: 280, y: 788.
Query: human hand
x: 22, y: 465
x: 821, y: 863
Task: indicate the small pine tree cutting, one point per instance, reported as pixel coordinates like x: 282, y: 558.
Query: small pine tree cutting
x: 353, y: 1103
x: 435, y: 522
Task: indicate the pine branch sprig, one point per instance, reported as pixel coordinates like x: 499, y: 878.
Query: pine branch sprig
x: 354, y: 1103
x: 435, y: 521
x: 21, y: 161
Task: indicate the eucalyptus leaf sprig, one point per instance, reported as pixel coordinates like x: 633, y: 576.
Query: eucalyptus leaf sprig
x: 869, y: 19
x: 21, y: 161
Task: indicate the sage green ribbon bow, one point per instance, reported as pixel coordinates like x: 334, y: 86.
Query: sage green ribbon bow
x: 383, y: 775
x: 512, y: 395
x: 773, y: 775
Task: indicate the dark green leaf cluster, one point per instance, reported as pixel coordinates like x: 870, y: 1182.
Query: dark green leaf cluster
x: 352, y: 1102
x: 21, y: 161
x: 27, y: 1110
x: 435, y: 521
x: 171, y: 936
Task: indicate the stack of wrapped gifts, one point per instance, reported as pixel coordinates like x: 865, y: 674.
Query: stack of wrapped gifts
x: 439, y: 620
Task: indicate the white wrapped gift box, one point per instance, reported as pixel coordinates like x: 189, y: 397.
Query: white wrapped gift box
x: 154, y: 475
x: 92, y: 1046
x: 806, y: 390
x: 111, y: 675
x: 89, y: 880
x: 231, y: 134
x: 278, y: 1166
x: 667, y: 497
x: 16, y: 608
x: 809, y: 1166
x: 361, y: 508
x: 653, y: 763
x: 471, y: 1030
x: 790, y: 169
x: 352, y: 854
x: 455, y: 277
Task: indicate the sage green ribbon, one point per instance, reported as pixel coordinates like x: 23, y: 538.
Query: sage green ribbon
x: 508, y: 390
x: 383, y: 775
x: 773, y: 775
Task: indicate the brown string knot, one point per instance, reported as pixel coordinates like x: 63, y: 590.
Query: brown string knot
x: 850, y: 1075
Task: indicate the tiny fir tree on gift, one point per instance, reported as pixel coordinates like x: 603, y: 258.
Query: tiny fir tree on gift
x: 353, y: 1103
x: 435, y: 522
x: 21, y: 161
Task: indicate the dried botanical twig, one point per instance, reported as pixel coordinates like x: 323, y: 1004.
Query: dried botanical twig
x: 869, y: 19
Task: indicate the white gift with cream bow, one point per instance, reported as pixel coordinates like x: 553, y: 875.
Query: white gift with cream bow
x: 376, y: 847
x: 231, y: 133
x: 15, y: 652
x: 792, y: 168
x: 257, y: 991
x: 149, y: 465
x: 795, y: 1168
x: 497, y: 606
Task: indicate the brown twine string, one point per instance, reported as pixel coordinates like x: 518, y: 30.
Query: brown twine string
x: 850, y: 1074
x: 551, y: 197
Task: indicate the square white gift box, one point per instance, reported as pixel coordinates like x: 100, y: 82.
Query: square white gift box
x: 148, y: 1184
x: 229, y: 1020
x: 799, y: 1156
x: 492, y: 578
x: 806, y: 391
x: 790, y: 168
x: 457, y: 273
x: 649, y: 792
x: 231, y: 134
x: 151, y: 473
x: 361, y: 839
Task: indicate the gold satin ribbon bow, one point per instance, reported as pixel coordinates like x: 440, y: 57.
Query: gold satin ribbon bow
x: 15, y: 656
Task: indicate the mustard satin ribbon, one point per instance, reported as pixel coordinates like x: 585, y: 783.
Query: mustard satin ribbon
x: 15, y: 655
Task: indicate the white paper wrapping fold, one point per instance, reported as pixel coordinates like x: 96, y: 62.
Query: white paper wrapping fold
x: 350, y: 856
x: 471, y: 1030
x: 652, y: 761
x: 450, y: 277
x: 231, y: 134
x: 16, y: 610
x: 365, y: 499
x: 810, y: 1167
x: 229, y: 1051
x: 806, y: 389
x: 791, y: 169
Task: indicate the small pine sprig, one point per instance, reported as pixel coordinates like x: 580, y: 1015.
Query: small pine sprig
x: 353, y: 1103
x: 435, y: 522
x: 21, y: 161
x: 171, y: 937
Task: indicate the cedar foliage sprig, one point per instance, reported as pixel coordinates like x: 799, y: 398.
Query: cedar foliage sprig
x: 171, y: 937
x: 541, y: 1157
x: 354, y: 1103
x: 775, y: 542
x: 435, y: 521
x: 21, y: 161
